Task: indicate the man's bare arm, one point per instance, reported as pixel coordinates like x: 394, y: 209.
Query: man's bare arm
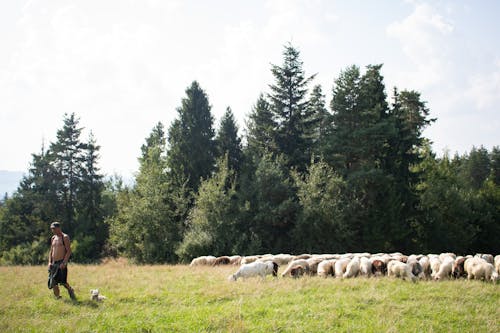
x: 67, y: 245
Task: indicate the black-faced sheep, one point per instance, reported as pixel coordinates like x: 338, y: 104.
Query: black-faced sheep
x: 256, y: 268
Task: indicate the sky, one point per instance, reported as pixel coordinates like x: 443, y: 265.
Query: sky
x: 122, y: 65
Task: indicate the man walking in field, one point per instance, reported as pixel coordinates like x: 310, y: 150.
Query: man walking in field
x: 60, y: 250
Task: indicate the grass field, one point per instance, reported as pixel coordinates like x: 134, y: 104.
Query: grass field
x: 184, y: 299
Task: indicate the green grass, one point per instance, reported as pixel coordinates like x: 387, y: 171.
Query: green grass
x: 183, y: 299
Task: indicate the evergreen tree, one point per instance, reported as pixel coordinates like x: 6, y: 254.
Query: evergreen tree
x: 446, y: 211
x: 342, y: 147
x: 316, y: 122
x: 274, y: 206
x: 191, y: 153
x: 476, y: 167
x: 324, y: 211
x: 228, y: 142
x: 261, y: 137
x: 212, y: 223
x: 68, y: 156
x: 156, y: 138
x: 25, y: 215
x: 91, y: 230
x: 145, y: 227
x: 495, y: 165
x: 289, y: 105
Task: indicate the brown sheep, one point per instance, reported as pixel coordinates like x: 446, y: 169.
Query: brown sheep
x: 379, y: 267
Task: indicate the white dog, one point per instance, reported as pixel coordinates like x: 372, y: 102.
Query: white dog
x: 94, y: 295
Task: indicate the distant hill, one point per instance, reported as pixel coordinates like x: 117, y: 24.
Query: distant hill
x: 9, y: 181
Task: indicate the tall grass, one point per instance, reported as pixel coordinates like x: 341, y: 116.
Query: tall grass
x: 184, y: 299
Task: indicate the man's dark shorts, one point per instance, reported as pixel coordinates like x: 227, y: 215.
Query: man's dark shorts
x: 57, y: 275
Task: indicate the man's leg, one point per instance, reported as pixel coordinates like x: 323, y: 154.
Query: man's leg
x: 56, y: 291
x: 71, y: 291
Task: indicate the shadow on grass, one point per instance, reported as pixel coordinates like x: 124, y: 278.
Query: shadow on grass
x: 86, y: 303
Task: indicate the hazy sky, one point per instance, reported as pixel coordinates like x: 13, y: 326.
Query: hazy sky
x: 122, y: 66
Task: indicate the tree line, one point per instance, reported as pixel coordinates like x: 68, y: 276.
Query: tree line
x: 354, y: 175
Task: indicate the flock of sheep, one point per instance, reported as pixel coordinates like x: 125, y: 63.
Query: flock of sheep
x: 350, y: 265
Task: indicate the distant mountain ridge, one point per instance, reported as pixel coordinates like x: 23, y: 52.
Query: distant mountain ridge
x: 9, y: 181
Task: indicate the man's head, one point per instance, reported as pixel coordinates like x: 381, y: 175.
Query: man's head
x: 55, y: 227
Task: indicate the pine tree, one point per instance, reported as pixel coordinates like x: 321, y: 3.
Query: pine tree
x: 212, y: 223
x: 316, y: 122
x: 228, y: 142
x: 191, y: 153
x: 146, y: 227
x: 67, y: 156
x: 90, y: 229
x: 261, y: 136
x: 289, y: 105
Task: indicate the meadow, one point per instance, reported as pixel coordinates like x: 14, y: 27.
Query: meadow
x: 165, y: 298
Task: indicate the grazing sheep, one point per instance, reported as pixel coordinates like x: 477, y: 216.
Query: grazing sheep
x: 302, y: 256
x: 326, y: 268
x: 299, y: 262
x: 282, y: 259
x: 224, y: 260
x: 445, y: 268
x: 313, y: 265
x: 396, y: 268
x: 256, y: 268
x: 497, y: 263
x: 416, y: 268
x: 235, y: 260
x: 203, y: 260
x: 442, y: 256
x: 482, y: 271
x: 426, y: 267
x: 249, y: 259
x: 435, y: 263
x: 297, y: 271
x: 469, y: 262
x: 379, y: 267
x: 341, y: 266
x: 365, y: 266
x: 352, y: 268
x: 489, y: 258
x: 458, y: 269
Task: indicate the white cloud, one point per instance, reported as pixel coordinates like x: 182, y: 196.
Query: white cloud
x: 484, y: 89
x: 423, y: 38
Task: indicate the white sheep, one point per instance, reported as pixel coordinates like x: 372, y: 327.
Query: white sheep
x: 426, y: 267
x: 365, y: 266
x: 399, y: 269
x: 294, y: 263
x: 341, y: 266
x: 352, y: 268
x: 482, y: 270
x: 249, y: 259
x: 203, y: 260
x: 434, y: 263
x: 497, y: 263
x: 326, y: 267
x: 282, y: 259
x: 256, y: 268
x: 469, y: 262
x: 445, y: 268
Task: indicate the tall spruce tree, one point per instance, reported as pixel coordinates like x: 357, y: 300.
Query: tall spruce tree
x: 68, y: 156
x: 90, y: 215
x: 191, y: 151
x: 228, y: 142
x: 261, y: 136
x: 316, y: 122
x: 289, y: 105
